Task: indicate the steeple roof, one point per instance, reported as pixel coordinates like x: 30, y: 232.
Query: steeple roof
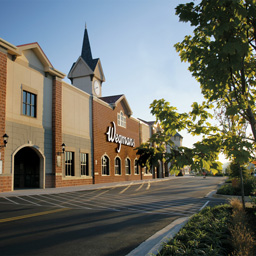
x: 86, y: 53
x: 86, y: 66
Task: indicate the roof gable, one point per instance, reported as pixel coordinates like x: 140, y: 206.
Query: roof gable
x: 98, y: 71
x: 80, y: 68
x: 26, y: 49
x: 113, y: 101
x: 31, y: 58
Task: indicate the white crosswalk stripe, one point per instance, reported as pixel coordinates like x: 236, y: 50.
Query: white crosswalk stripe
x: 114, y: 199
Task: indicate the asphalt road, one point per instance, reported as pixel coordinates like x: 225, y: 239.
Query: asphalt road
x: 111, y: 221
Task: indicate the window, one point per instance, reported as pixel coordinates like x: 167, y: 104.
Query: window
x: 84, y: 164
x: 121, y: 119
x: 136, y: 167
x: 127, y: 166
x: 29, y: 104
x: 69, y: 163
x: 117, y: 166
x: 105, y: 165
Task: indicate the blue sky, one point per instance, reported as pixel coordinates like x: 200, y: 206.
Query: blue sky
x: 133, y: 38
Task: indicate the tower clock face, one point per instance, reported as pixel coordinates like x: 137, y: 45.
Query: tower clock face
x: 96, y: 87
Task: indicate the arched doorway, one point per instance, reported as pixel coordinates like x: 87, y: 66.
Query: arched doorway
x: 26, y: 168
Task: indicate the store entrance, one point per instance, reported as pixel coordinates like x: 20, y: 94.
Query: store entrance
x: 26, y: 169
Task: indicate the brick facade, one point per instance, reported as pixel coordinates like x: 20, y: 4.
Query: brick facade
x: 102, y: 118
x: 57, y: 179
x: 5, y: 181
x: 56, y: 131
x: 25, y: 132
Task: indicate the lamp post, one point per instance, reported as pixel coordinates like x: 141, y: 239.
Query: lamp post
x: 5, y: 138
x: 63, y: 147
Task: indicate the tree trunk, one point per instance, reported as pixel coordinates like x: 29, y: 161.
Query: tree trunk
x: 242, y: 186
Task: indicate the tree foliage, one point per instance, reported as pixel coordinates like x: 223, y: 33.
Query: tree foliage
x: 204, y: 154
x: 221, y: 54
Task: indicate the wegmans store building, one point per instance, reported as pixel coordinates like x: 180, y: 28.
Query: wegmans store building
x: 55, y: 134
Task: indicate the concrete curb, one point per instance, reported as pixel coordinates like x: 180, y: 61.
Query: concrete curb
x: 159, y: 238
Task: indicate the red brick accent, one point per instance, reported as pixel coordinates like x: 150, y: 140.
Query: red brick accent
x: 72, y: 182
x: 102, y: 118
x: 5, y: 181
x: 56, y: 127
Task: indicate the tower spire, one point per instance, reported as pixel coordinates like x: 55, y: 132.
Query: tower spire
x: 86, y: 53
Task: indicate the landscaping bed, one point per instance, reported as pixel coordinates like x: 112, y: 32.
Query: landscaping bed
x: 221, y: 230
x: 233, y: 187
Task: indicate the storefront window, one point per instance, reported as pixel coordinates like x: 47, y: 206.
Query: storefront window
x: 117, y: 166
x: 69, y: 163
x: 127, y: 166
x: 105, y: 165
x: 84, y: 164
x: 136, y: 167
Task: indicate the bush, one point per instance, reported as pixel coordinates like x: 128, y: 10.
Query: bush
x: 226, y: 189
x: 206, y: 233
x: 249, y: 188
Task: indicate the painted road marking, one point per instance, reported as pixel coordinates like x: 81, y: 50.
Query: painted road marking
x: 10, y: 200
x: 28, y: 201
x: 46, y: 201
x: 125, y: 189
x: 32, y: 215
x: 148, y: 187
x: 139, y: 187
x: 106, y: 191
x: 63, y: 202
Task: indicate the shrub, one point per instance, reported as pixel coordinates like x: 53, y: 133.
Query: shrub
x: 206, y: 233
x: 226, y: 189
x: 249, y: 188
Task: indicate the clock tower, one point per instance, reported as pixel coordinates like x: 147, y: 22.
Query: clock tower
x: 87, y: 73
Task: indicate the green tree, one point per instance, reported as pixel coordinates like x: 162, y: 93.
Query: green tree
x: 204, y: 154
x: 153, y: 151
x: 221, y: 56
